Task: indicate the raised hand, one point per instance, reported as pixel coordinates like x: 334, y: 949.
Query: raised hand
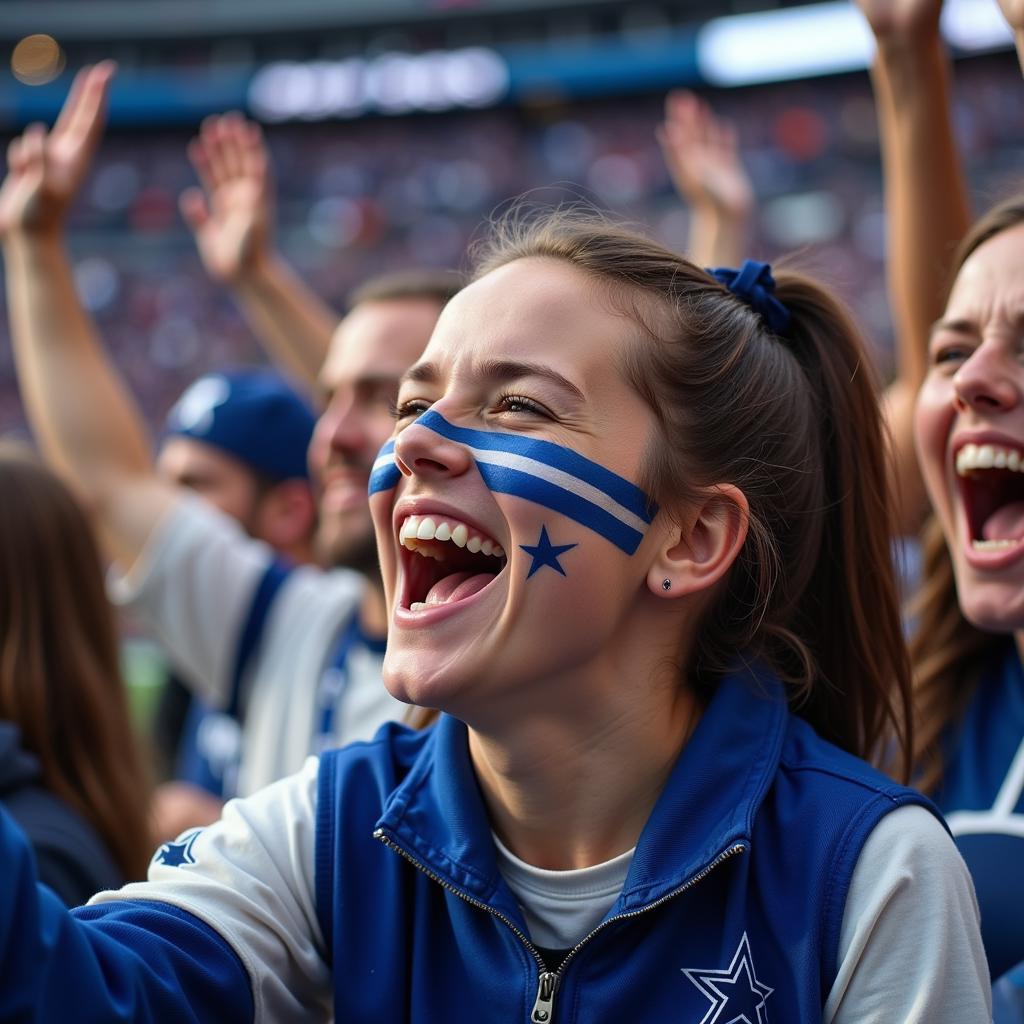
x: 703, y: 157
x: 45, y: 169
x: 901, y: 17
x: 232, y: 215
x: 1013, y: 11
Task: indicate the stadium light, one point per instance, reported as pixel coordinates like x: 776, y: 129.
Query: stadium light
x: 37, y: 59
x: 975, y: 25
x: 797, y: 42
x: 393, y: 83
x: 823, y: 39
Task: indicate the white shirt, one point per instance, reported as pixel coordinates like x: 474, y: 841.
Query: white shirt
x: 192, y: 588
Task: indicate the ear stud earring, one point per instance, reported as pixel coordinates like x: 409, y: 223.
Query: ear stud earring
x: 666, y: 584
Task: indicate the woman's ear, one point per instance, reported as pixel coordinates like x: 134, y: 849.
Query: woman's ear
x: 700, y: 548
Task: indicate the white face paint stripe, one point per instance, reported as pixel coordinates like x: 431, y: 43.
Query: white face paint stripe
x: 566, y: 481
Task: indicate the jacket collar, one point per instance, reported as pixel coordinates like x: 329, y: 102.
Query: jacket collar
x: 437, y: 813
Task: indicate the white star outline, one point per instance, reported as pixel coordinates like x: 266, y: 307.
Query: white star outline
x: 1001, y: 819
x: 742, y: 962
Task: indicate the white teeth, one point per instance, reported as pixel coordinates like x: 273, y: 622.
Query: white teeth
x: 988, y: 456
x: 416, y: 528
x: 999, y: 544
x: 417, y: 606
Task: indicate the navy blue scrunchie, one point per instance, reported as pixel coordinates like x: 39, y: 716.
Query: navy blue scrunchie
x: 754, y: 283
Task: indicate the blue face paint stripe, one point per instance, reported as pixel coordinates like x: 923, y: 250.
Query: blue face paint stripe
x: 565, y: 481
x: 385, y: 475
x: 503, y: 480
x: 620, y: 490
x: 544, y: 473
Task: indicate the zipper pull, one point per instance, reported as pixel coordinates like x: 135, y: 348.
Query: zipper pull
x: 544, y: 1006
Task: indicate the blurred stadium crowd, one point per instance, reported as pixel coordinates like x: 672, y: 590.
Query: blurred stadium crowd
x: 360, y: 197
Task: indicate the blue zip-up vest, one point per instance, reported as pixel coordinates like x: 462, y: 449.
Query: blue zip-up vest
x: 732, y: 908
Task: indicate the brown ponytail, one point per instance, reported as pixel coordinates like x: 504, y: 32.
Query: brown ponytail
x: 792, y: 422
x: 849, y: 614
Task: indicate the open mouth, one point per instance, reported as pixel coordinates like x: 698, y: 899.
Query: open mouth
x: 446, y: 561
x: 991, y: 479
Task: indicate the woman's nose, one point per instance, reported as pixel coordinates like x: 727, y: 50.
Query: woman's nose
x: 988, y: 381
x: 419, y: 451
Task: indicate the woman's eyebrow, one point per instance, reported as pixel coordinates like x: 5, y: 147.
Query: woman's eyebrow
x: 505, y: 370
x: 421, y: 373
x: 498, y: 371
x: 959, y: 326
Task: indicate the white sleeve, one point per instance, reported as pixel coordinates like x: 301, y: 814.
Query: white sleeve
x: 250, y: 877
x: 191, y: 588
x: 910, y: 949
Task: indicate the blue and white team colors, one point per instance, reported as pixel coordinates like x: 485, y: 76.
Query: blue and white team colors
x: 982, y: 796
x: 545, y: 473
x: 368, y: 887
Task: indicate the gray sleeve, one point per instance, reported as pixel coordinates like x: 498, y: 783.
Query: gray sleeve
x: 191, y: 589
x: 910, y: 949
x: 250, y: 877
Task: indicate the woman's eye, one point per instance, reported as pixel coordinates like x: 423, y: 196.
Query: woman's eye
x: 410, y: 408
x: 948, y: 355
x: 521, y: 404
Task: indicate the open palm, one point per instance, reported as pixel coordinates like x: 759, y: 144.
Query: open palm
x: 232, y: 215
x: 702, y: 155
x: 45, y: 169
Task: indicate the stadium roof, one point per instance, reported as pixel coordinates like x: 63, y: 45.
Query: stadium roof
x: 94, y: 20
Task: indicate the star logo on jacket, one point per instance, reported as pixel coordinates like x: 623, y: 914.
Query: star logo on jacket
x: 737, y: 997
x: 545, y: 553
x: 179, y: 853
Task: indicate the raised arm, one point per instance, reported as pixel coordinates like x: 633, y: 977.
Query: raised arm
x: 232, y: 217
x: 703, y: 159
x: 926, y: 205
x: 1014, y: 11
x: 80, y: 410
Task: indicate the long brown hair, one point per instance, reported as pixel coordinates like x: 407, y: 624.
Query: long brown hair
x: 794, y: 423
x: 947, y: 653
x: 60, y: 680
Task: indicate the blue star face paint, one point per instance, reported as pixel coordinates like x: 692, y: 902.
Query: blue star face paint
x: 545, y: 473
x: 544, y: 553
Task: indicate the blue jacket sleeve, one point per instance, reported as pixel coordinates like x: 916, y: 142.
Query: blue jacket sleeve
x: 1008, y: 997
x: 120, y: 961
